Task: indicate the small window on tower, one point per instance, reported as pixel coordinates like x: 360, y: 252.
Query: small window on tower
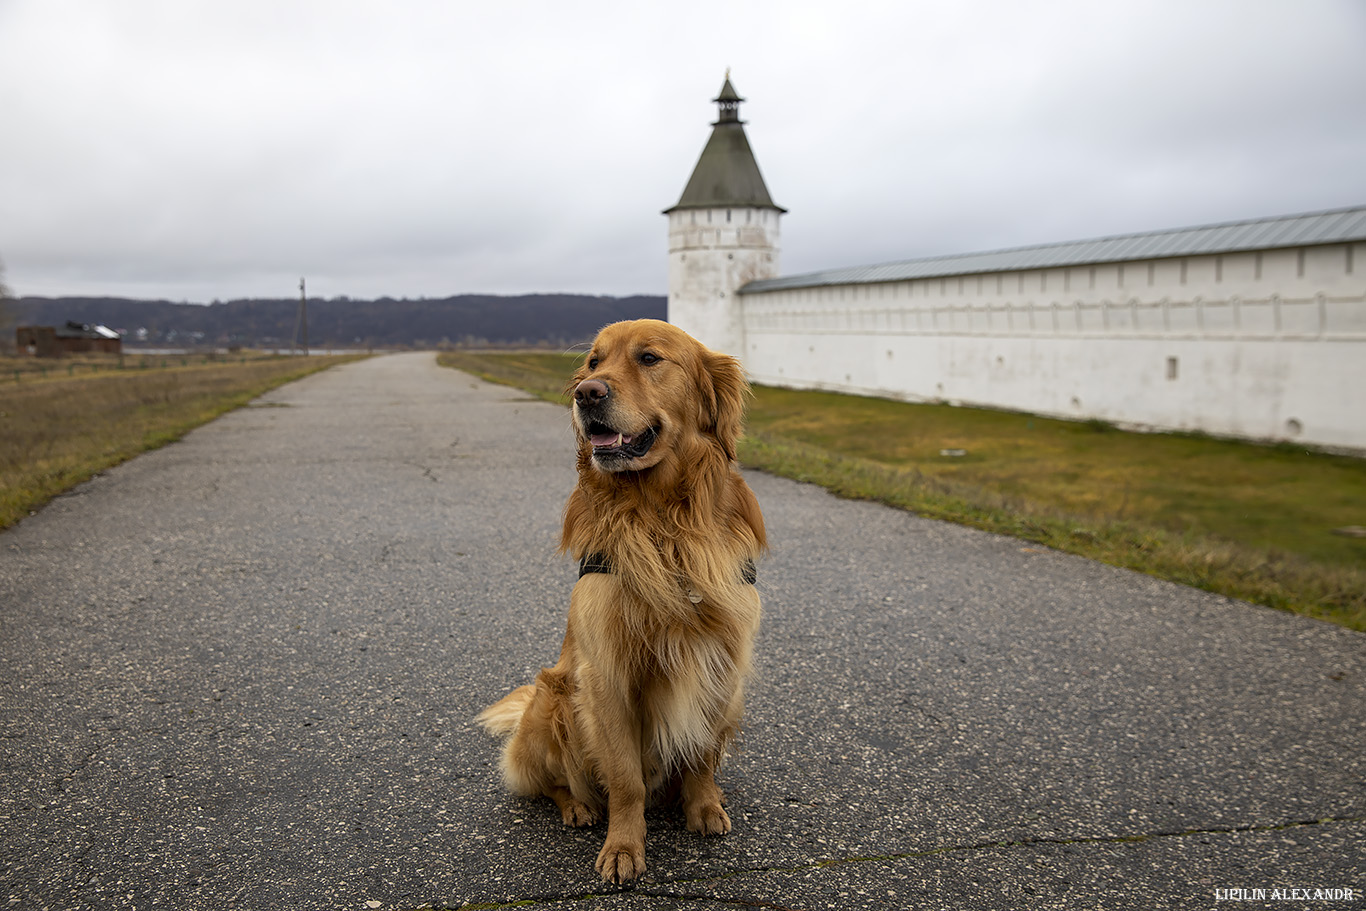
x: 1173, y: 367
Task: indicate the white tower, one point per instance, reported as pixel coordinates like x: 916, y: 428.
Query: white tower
x: 723, y: 233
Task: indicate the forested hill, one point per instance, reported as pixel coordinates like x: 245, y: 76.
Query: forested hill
x: 468, y: 319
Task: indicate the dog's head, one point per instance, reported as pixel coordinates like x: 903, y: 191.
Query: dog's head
x: 648, y: 390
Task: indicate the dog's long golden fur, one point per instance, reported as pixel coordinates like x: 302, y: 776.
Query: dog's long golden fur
x: 647, y: 693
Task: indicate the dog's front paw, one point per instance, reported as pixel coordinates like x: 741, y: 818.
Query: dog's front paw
x: 619, y: 862
x: 707, y: 819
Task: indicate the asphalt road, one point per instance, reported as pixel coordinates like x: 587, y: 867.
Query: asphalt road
x: 239, y: 672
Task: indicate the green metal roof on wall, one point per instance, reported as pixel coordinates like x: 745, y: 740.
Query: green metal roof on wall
x: 1311, y: 229
x: 726, y: 173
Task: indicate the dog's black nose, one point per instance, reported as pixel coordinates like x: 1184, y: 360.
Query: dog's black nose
x: 591, y: 392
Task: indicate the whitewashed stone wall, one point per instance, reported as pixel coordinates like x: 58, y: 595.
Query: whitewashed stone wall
x: 712, y: 253
x: 1265, y: 345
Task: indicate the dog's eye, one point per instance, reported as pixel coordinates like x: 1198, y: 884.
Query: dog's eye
x: 649, y: 358
x: 592, y: 363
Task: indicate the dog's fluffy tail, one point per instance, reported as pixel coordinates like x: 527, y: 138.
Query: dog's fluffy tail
x: 502, y: 718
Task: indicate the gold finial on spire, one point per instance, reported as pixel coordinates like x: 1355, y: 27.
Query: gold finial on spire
x: 727, y: 72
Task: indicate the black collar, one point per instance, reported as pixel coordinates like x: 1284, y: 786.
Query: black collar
x: 599, y: 563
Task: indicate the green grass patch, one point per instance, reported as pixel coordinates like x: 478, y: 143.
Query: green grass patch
x: 1252, y: 522
x: 59, y: 430
x: 1260, y: 497
x: 543, y: 374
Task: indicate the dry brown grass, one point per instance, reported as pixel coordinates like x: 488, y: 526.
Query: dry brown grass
x: 87, y: 415
x: 30, y: 369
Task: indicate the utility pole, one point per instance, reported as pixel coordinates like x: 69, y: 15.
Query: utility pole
x: 301, y: 324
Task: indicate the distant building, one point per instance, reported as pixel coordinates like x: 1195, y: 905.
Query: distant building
x: 73, y: 338
x: 1253, y: 329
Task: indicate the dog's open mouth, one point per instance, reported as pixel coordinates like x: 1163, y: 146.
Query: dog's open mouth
x: 615, y: 444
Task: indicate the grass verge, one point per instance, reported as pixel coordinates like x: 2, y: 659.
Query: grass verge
x: 1259, y: 523
x: 60, y: 429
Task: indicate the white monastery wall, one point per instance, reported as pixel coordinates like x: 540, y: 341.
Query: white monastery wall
x: 1263, y: 345
x: 712, y: 252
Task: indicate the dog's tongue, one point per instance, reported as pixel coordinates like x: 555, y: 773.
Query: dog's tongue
x: 609, y: 440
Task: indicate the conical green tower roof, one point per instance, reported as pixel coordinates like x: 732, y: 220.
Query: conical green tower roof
x: 726, y: 173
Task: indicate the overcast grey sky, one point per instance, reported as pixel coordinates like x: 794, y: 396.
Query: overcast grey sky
x: 195, y: 150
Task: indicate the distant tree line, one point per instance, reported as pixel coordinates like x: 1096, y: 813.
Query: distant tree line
x: 558, y: 320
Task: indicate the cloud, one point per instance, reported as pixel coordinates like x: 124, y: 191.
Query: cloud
x: 194, y: 151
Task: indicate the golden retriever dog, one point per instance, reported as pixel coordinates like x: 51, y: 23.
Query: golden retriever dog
x: 648, y: 691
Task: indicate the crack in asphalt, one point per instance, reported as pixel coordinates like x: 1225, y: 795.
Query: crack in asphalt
x: 663, y: 890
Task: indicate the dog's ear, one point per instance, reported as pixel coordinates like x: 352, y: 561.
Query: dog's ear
x: 724, y: 389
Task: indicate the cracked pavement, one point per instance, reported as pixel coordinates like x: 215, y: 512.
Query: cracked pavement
x: 239, y: 672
